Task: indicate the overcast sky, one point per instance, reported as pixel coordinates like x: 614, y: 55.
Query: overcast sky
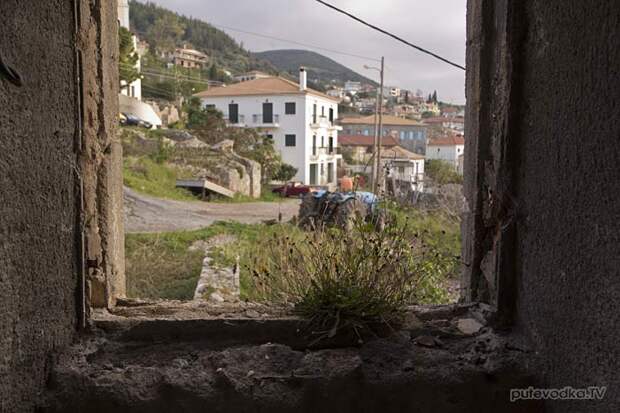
x: 437, y: 25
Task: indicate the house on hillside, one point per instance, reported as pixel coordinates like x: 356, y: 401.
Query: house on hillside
x: 455, y: 123
x: 452, y: 112
x: 404, y: 168
x: 189, y: 58
x: 412, y: 134
x: 336, y: 92
x: 352, y: 87
x: 253, y: 75
x: 361, y: 147
x: 447, y: 149
x: 300, y: 120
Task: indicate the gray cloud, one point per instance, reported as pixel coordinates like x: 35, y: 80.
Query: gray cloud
x: 438, y: 25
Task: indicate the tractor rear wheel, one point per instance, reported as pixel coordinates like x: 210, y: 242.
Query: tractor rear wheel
x: 349, y: 212
x: 308, y: 210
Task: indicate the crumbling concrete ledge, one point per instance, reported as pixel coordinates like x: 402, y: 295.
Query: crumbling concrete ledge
x: 169, y: 358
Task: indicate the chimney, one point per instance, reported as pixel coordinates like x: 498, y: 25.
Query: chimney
x: 303, y: 79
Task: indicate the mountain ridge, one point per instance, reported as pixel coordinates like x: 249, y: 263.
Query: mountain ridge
x: 321, y: 69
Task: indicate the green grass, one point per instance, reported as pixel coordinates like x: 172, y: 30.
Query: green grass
x: 152, y: 178
x: 162, y: 266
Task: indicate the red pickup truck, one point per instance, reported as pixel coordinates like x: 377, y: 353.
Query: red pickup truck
x: 296, y: 189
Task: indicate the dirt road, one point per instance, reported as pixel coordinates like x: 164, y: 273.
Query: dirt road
x: 144, y: 213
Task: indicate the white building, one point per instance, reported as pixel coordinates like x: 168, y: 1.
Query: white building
x: 253, y: 75
x: 446, y: 149
x: 134, y: 89
x: 404, y: 166
x: 301, y: 121
x: 391, y: 92
x: 455, y: 123
x: 189, y: 58
x: 352, y: 87
x: 336, y: 92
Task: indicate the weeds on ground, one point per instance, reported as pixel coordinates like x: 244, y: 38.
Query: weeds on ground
x: 162, y: 265
x: 152, y: 178
x: 348, y: 279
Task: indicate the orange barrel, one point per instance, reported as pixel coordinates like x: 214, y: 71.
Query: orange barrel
x: 346, y: 184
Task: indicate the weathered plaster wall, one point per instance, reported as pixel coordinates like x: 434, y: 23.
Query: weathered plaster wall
x: 101, y: 153
x: 60, y: 172
x: 38, y: 209
x: 543, y: 179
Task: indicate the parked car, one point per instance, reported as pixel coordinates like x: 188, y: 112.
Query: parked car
x: 131, y: 120
x: 296, y: 189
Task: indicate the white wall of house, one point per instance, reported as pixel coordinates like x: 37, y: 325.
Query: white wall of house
x: 447, y: 153
x: 300, y: 124
x: 134, y: 90
x: 408, y: 170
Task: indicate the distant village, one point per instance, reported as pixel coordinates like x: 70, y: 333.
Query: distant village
x: 324, y: 134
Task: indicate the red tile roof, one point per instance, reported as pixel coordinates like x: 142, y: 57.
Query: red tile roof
x: 447, y: 141
x: 388, y: 120
x: 443, y: 119
x: 272, y: 85
x: 363, y: 140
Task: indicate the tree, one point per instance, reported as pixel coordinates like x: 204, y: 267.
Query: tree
x: 427, y: 114
x: 434, y: 96
x: 285, y: 173
x: 166, y: 32
x: 128, y: 58
x: 213, y: 72
x: 441, y: 172
x: 209, y: 126
x: 203, y: 120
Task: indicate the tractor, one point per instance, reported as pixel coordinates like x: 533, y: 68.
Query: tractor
x: 341, y: 209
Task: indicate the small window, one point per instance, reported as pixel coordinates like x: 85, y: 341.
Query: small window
x: 210, y: 107
x: 289, y: 108
x: 269, y: 136
x: 290, y: 140
x: 401, y: 170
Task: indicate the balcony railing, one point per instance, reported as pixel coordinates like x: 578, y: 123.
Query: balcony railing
x: 258, y: 120
x: 324, y: 122
x: 324, y: 150
x: 240, y: 120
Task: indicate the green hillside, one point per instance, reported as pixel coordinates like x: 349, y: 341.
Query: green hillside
x: 321, y: 69
x: 165, y: 29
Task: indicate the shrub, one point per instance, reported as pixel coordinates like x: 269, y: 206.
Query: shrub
x: 442, y: 172
x: 285, y: 173
x: 347, y: 279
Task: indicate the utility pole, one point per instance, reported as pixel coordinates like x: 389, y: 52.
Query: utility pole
x: 373, y: 178
x: 376, y: 153
x: 379, y: 132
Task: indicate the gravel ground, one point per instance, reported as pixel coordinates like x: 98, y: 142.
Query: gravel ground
x: 144, y: 213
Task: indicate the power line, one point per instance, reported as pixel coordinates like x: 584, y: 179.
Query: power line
x: 400, y: 39
x: 155, y: 73
x: 296, y: 43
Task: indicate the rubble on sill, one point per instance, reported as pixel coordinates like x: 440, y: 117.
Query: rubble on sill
x: 145, y: 357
